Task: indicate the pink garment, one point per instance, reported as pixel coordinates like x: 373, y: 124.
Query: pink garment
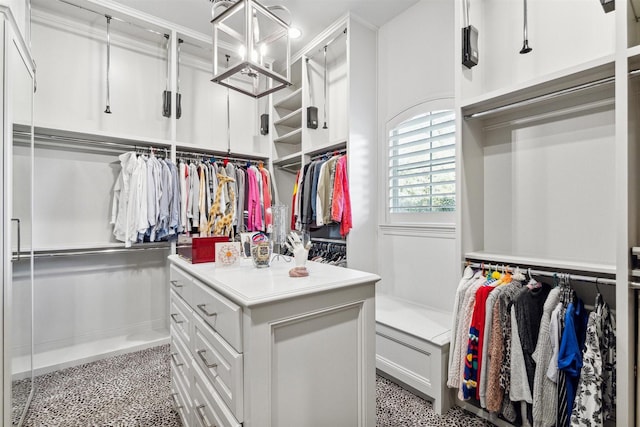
x: 341, y: 200
x: 266, y: 190
x: 254, y: 221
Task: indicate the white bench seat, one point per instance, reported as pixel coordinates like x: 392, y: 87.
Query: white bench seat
x: 412, y: 346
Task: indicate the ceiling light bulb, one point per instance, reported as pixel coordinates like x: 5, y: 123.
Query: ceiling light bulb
x: 242, y: 51
x: 295, y: 33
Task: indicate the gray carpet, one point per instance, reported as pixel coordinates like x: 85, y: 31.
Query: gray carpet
x: 132, y: 390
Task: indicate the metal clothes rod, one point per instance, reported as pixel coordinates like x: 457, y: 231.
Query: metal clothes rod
x: 327, y: 44
x: 541, y: 98
x: 65, y: 252
x: 545, y: 97
x: 325, y: 240
x: 56, y: 139
x: 218, y: 156
x: 329, y: 153
x: 634, y: 285
x: 114, y: 17
x: 575, y: 277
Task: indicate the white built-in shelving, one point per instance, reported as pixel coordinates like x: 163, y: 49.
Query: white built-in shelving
x: 346, y: 114
x: 292, y: 120
x: 547, y: 159
x: 291, y: 102
x: 293, y: 136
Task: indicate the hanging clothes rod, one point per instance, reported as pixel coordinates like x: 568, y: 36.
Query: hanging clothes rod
x: 42, y: 138
x: 329, y: 153
x: 545, y: 97
x: 574, y: 277
x: 218, y: 155
x: 115, y: 18
x: 634, y: 286
x: 50, y: 253
x: 548, y: 96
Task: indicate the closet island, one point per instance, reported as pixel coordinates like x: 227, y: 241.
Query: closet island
x: 256, y: 347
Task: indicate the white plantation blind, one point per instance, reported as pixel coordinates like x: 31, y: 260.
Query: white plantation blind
x: 422, y: 159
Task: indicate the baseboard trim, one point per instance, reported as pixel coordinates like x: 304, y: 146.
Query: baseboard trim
x: 90, y: 352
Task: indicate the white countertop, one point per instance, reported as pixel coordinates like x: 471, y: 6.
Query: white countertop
x: 248, y: 286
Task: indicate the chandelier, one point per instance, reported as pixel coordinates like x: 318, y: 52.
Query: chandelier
x: 251, y: 47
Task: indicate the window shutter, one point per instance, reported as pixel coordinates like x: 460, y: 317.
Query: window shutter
x: 422, y: 160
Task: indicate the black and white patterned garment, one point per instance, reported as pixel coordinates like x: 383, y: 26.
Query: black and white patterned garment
x: 587, y: 408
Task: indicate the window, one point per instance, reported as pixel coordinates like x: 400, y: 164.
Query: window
x: 421, y: 164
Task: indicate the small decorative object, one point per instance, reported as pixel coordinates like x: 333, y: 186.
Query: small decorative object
x: 279, y: 233
x: 299, y: 272
x: 199, y: 249
x: 245, y: 242
x: 261, y: 248
x: 227, y: 253
x: 299, y: 245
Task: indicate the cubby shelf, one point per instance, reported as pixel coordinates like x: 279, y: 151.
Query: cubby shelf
x: 290, y: 159
x: 292, y: 120
x: 293, y: 137
x: 291, y: 102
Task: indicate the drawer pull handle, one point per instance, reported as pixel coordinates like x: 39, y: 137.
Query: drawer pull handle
x: 204, y: 359
x: 204, y: 310
x: 173, y: 316
x: 175, y: 401
x: 175, y: 283
x: 201, y: 415
x: 175, y: 359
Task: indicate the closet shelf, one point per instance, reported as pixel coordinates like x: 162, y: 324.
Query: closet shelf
x: 292, y: 120
x: 558, y: 264
x: 64, y: 136
x: 293, y: 137
x: 554, y: 82
x: 290, y: 102
x: 292, y: 162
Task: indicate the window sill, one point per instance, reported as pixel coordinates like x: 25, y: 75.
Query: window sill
x: 442, y: 230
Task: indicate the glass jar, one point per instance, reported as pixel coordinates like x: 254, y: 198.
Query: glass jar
x: 261, y: 253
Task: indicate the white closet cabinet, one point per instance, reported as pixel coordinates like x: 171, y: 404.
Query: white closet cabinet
x: 347, y: 106
x: 546, y: 157
x: 258, y: 348
x: 17, y: 219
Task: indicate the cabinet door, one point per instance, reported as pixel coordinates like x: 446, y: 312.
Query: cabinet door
x: 18, y: 196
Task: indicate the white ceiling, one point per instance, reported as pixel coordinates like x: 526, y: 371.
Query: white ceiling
x: 311, y: 16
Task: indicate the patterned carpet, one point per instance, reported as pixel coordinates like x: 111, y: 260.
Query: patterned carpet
x: 132, y: 390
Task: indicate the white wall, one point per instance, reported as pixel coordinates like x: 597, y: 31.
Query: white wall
x: 561, y: 34
x: 417, y: 262
x: 415, y: 57
x: 20, y: 11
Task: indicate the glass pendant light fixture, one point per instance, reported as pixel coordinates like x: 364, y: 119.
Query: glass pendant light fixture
x: 256, y: 42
